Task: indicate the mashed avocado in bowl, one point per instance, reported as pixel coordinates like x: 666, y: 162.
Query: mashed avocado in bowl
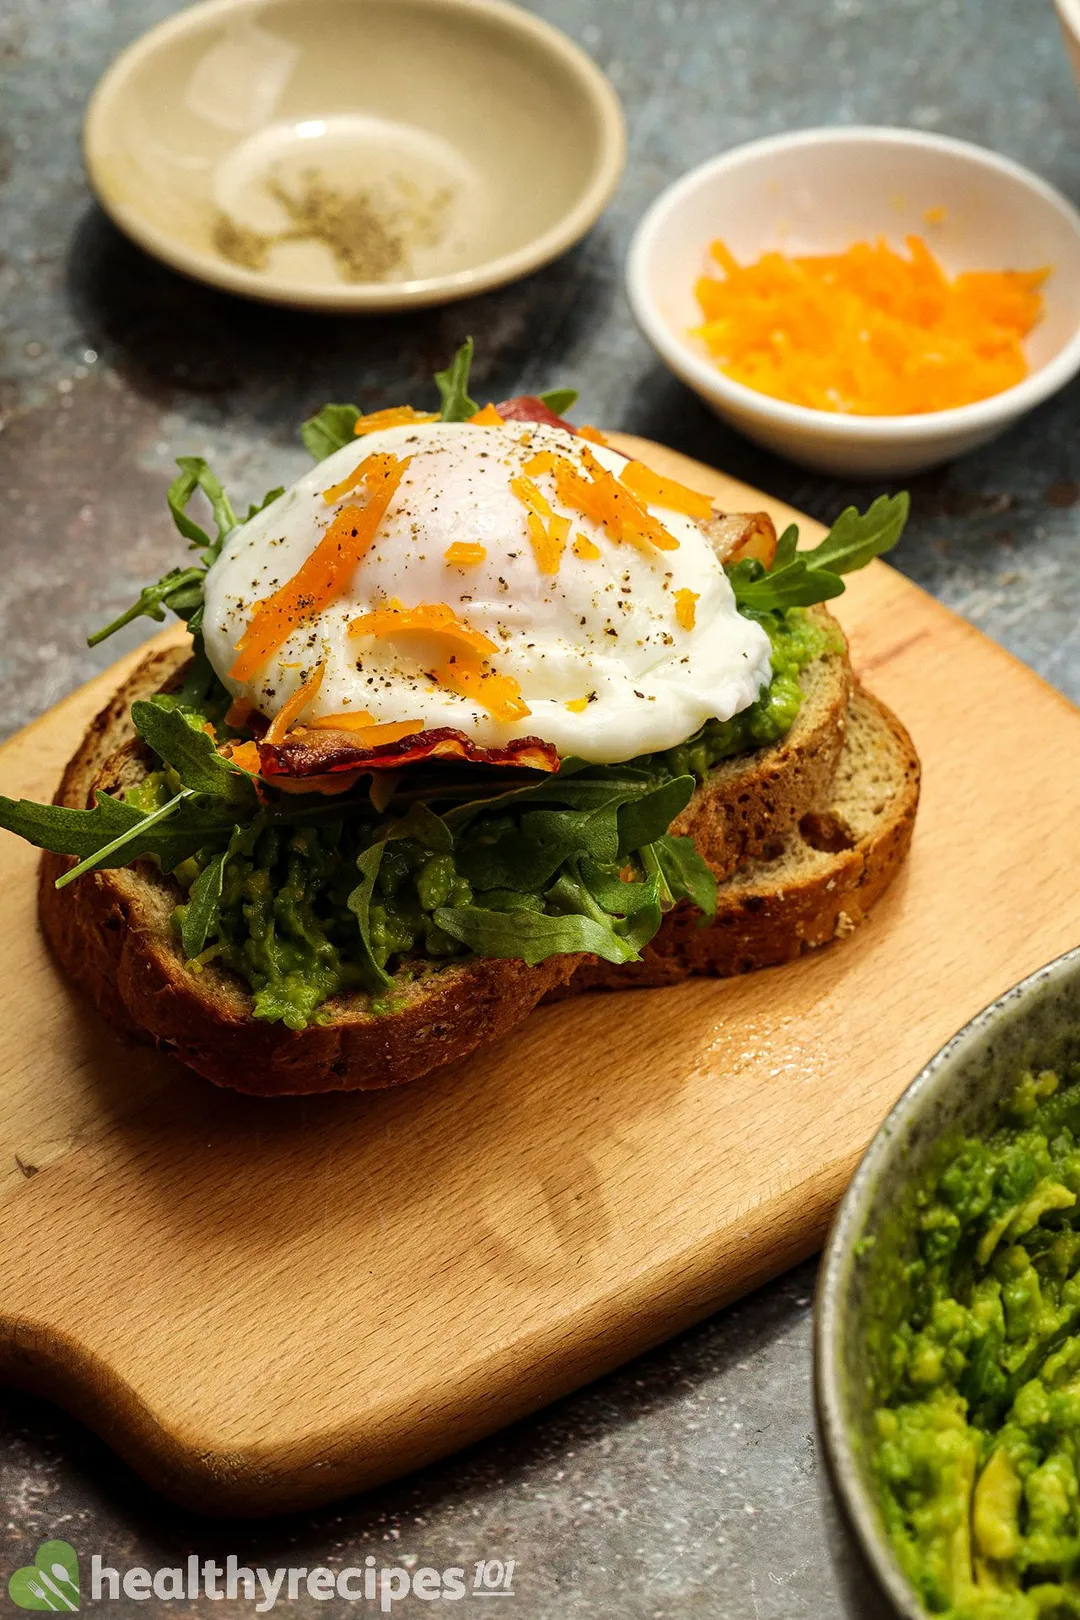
x: 948, y: 1343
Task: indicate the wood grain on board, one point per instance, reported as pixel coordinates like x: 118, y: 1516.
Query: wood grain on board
x: 267, y: 1303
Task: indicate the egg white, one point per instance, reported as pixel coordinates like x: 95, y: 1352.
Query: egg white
x: 603, y: 629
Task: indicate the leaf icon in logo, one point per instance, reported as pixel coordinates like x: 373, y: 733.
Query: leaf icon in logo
x: 50, y: 1582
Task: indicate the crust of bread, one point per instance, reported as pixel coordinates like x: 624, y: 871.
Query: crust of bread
x: 821, y: 885
x: 111, y: 933
x: 748, y: 806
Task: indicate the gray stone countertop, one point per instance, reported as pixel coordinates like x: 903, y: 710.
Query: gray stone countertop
x: 688, y: 1483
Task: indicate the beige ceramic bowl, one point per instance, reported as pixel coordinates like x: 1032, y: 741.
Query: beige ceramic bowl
x: 354, y: 154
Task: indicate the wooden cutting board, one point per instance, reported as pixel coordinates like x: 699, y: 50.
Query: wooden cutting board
x: 265, y: 1304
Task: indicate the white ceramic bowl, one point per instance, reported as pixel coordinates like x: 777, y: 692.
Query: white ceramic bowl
x: 818, y: 191
x: 354, y: 154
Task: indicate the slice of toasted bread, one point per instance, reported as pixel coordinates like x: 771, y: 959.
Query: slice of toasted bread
x: 819, y: 885
x: 111, y: 929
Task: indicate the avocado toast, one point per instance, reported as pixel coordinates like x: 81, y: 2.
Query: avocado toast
x: 293, y: 894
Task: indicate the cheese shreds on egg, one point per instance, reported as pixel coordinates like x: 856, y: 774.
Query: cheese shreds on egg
x: 574, y: 588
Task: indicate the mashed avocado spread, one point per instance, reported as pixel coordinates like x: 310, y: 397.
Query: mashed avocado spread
x: 977, y: 1448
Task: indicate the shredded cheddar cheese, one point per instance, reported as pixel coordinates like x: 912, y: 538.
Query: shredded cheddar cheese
x: 464, y: 554
x: 350, y: 482
x: 324, y: 575
x: 578, y: 705
x: 665, y: 492
x: 585, y: 548
x: 348, y: 720
x: 548, y: 532
x: 464, y: 670
x: 435, y: 617
x: 869, y: 331
x: 295, y: 706
x: 246, y: 756
x: 396, y: 416
x: 488, y: 417
x: 527, y: 492
x: 610, y: 505
x: 587, y: 432
x: 500, y: 695
x: 366, y: 731
x: 685, y: 605
x: 542, y: 462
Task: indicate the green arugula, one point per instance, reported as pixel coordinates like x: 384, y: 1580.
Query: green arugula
x: 203, y: 905
x: 801, y: 578
x: 683, y: 871
x: 453, y: 384
x: 531, y: 936
x: 195, y: 474
x: 179, y: 739
x: 644, y: 819
x: 330, y: 429
x: 181, y: 589
x: 559, y: 400
x: 359, y: 903
x: 114, y: 833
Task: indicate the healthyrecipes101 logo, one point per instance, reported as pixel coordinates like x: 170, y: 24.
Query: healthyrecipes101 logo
x: 50, y: 1582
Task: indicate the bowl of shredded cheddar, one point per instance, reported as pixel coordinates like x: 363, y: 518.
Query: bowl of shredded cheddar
x: 865, y: 301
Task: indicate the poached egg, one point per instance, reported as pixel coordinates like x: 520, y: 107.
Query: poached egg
x: 623, y: 649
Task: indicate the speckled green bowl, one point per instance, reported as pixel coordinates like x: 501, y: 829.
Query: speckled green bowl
x: 962, y: 1088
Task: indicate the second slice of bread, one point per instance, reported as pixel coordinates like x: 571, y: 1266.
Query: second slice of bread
x: 818, y: 884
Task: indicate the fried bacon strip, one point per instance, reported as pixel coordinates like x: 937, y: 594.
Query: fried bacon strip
x: 310, y: 752
x: 528, y: 408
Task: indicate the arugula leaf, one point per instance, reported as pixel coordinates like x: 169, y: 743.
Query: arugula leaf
x: 631, y: 910
x: 574, y: 792
x: 857, y: 537
x: 177, y: 737
x: 527, y: 857
x: 684, y: 872
x: 617, y: 897
x: 795, y: 585
x: 203, y: 904
x: 531, y: 936
x: 453, y: 386
x: 421, y: 822
x: 199, y: 681
x: 113, y: 828
x: 785, y: 547
x: 69, y: 832
x: 329, y: 429
x: 645, y: 819
x: 559, y: 400
x: 122, y: 841
x: 359, y: 903
x: 799, y: 579
x: 180, y: 590
x: 268, y: 499
x: 195, y: 474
